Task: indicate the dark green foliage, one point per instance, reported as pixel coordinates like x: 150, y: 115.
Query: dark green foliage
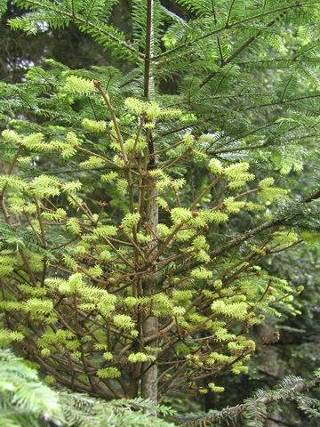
x: 255, y: 411
x: 25, y: 401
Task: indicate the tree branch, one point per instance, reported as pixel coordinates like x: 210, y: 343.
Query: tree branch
x: 234, y: 412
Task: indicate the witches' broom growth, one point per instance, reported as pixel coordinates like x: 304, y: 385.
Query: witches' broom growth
x: 123, y: 267
x: 76, y: 297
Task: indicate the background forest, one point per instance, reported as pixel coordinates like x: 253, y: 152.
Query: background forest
x: 159, y: 224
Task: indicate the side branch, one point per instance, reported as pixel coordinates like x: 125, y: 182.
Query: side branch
x: 233, y: 25
x: 286, y: 391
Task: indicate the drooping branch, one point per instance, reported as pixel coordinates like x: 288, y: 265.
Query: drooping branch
x: 290, y: 389
x: 85, y: 25
x: 224, y: 28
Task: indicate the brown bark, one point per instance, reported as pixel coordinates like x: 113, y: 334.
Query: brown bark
x: 149, y: 387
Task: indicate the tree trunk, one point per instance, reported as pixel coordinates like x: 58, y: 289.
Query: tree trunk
x: 149, y: 383
x: 149, y: 386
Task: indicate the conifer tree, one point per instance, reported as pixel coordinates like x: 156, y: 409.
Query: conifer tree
x: 124, y: 270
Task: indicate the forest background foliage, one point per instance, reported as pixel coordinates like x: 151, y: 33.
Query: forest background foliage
x: 159, y: 199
